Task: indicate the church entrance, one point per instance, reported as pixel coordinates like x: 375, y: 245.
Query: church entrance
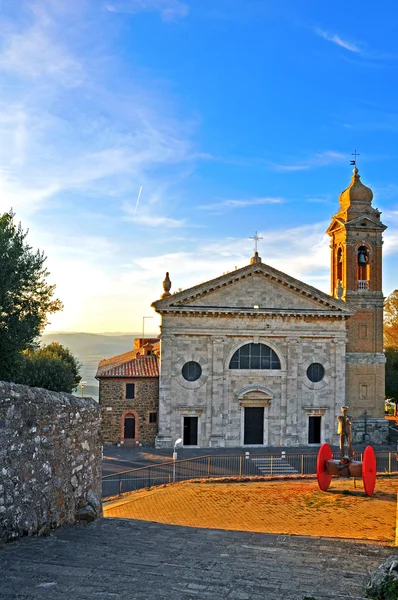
x: 129, y: 427
x: 254, y: 425
x: 190, y: 437
x: 314, y: 430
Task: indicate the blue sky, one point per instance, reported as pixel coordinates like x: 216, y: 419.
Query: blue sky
x: 231, y: 115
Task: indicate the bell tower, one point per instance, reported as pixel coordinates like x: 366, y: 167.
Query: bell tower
x: 356, y: 233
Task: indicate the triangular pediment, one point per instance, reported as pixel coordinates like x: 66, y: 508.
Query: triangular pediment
x: 369, y: 223
x: 254, y: 288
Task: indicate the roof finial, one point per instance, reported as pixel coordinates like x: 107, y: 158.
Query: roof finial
x: 166, y: 286
x: 354, y: 162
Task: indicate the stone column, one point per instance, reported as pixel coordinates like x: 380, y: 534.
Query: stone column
x: 293, y: 419
x: 164, y: 438
x: 339, y: 385
x: 216, y: 411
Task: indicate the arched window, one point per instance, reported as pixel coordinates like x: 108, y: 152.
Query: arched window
x: 255, y: 356
x: 363, y: 264
x: 340, y: 264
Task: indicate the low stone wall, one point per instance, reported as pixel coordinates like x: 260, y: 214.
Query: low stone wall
x: 50, y: 460
x: 372, y: 431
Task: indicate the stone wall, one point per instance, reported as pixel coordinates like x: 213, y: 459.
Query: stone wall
x: 50, y: 460
x: 376, y: 431
x: 115, y: 407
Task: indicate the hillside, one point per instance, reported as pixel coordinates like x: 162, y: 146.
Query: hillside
x: 90, y: 348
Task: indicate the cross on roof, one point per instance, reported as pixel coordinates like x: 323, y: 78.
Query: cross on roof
x: 354, y: 154
x: 256, y: 238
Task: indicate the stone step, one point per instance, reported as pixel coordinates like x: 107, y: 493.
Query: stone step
x: 276, y: 466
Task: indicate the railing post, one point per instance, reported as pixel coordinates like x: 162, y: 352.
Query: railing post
x: 271, y: 465
x: 120, y: 485
x: 208, y: 466
x: 302, y: 464
x: 240, y: 465
x: 389, y: 462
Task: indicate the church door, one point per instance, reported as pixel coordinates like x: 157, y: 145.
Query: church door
x: 190, y: 431
x: 254, y: 425
x: 314, y: 430
x: 129, y: 427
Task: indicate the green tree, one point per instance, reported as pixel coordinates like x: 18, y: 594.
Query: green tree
x: 391, y: 345
x: 52, y: 367
x: 391, y: 321
x: 392, y: 374
x: 26, y: 299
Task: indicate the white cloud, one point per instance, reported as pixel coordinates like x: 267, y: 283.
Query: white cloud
x: 33, y: 53
x: 282, y: 249
x: 241, y: 203
x: 390, y: 245
x: 339, y: 41
x: 318, y: 160
x: 156, y: 221
x: 170, y: 10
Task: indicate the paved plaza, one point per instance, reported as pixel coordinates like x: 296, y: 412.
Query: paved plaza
x: 293, y: 507
x: 118, y: 559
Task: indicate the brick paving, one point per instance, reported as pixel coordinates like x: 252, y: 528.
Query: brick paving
x: 135, y: 560
x: 280, y: 507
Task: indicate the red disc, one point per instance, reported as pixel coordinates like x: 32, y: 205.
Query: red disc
x: 325, y: 453
x: 369, y: 470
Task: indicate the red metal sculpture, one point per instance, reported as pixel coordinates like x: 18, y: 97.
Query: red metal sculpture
x: 328, y: 467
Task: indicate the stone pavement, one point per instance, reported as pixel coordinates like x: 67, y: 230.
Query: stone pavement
x: 134, y: 560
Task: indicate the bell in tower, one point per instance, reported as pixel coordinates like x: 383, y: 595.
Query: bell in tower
x: 362, y: 256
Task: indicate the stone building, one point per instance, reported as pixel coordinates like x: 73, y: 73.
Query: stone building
x: 129, y: 395
x: 256, y: 357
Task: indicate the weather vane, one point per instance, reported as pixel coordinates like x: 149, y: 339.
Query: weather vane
x: 355, y: 154
x: 256, y: 239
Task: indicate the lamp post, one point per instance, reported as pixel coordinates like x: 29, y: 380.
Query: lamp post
x: 82, y: 387
x: 177, y: 444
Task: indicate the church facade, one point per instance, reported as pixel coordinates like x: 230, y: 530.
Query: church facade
x: 258, y: 358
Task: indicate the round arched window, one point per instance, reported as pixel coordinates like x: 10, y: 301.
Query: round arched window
x: 191, y: 371
x: 315, y: 372
x: 255, y: 356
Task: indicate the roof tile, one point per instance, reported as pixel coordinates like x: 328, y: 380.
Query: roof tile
x: 144, y: 366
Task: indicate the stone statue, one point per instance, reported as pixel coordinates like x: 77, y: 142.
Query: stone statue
x: 344, y: 431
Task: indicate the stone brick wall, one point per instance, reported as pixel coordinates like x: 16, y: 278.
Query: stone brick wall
x: 365, y: 383
x: 376, y: 431
x: 50, y: 460
x: 115, y: 406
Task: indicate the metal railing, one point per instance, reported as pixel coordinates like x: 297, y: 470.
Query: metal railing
x: 211, y: 467
x: 363, y: 285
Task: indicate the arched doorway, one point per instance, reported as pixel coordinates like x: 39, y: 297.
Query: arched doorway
x: 129, y: 427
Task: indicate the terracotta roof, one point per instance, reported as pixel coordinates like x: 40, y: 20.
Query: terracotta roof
x: 144, y: 366
x: 117, y: 360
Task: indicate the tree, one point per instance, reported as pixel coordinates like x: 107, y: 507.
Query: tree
x: 392, y: 374
x: 25, y: 296
x: 391, y: 321
x: 391, y: 346
x: 52, y: 367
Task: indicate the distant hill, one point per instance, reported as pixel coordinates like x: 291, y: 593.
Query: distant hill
x: 90, y: 348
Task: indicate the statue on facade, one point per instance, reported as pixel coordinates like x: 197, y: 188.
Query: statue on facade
x: 345, y: 433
